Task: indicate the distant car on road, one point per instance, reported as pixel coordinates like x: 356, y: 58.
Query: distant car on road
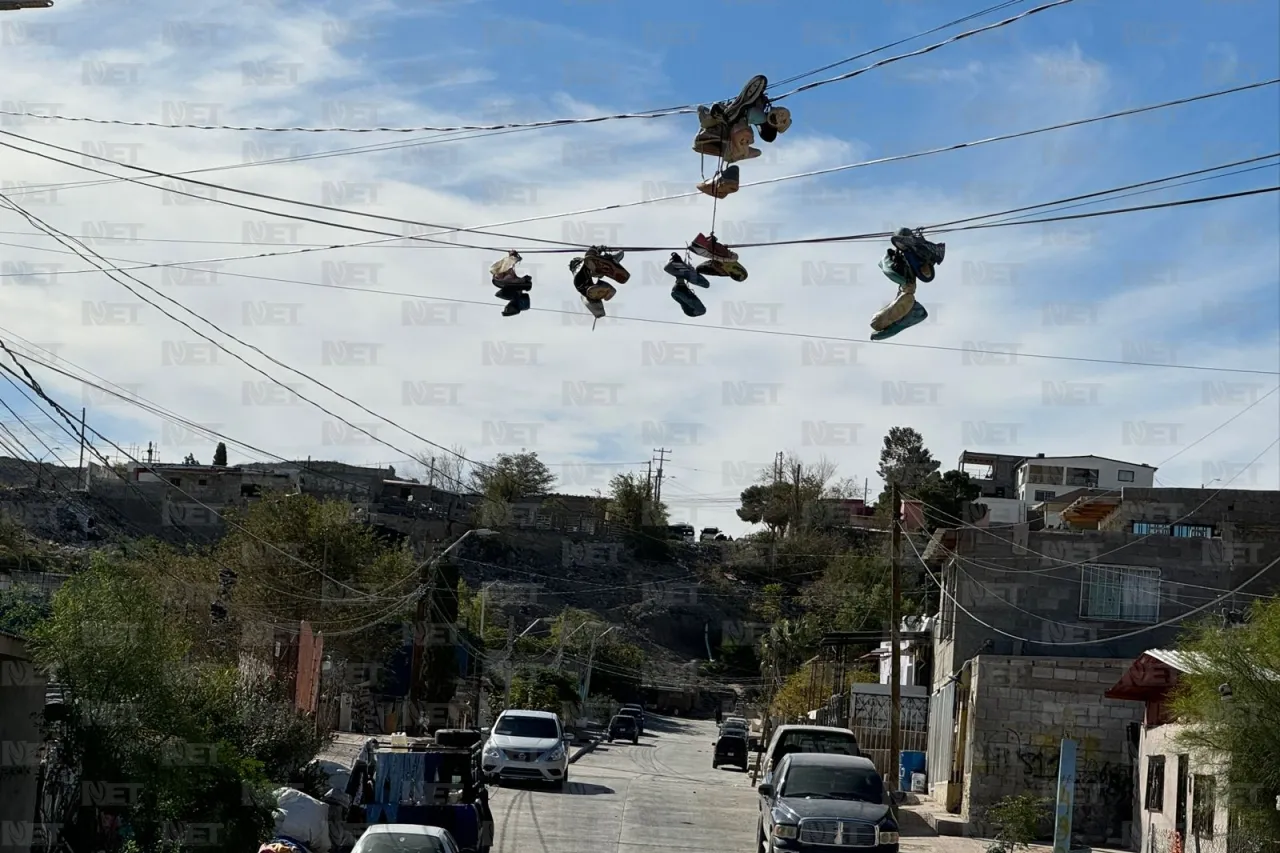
x: 821, y: 801
x: 624, y: 727
x: 636, y: 712
x: 731, y: 748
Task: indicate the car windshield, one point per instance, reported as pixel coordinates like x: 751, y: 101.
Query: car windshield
x: 629, y: 712
x: 831, y: 743
x: 513, y: 725
x: 837, y: 783
x: 624, y: 722
x: 391, y: 842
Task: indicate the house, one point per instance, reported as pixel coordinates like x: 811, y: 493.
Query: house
x: 571, y: 513
x: 24, y: 701
x: 1180, y: 791
x: 1014, y: 486
x: 1022, y: 648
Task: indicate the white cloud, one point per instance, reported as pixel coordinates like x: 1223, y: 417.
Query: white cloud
x: 817, y: 290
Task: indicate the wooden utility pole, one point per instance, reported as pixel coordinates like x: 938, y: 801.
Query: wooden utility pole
x: 657, y: 489
x: 85, y: 473
x: 895, y: 661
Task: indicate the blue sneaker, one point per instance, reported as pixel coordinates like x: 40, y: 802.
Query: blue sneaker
x: 895, y: 269
x: 688, y: 300
x: 683, y: 272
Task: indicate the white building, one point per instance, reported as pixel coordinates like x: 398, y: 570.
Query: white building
x: 1045, y: 477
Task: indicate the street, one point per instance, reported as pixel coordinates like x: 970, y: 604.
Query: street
x: 659, y: 795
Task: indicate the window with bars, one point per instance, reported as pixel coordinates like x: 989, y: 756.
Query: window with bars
x: 1203, y: 806
x: 1183, y: 531
x: 1120, y: 594
x: 1155, y: 783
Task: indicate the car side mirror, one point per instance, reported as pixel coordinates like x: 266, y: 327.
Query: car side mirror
x: 765, y: 789
x: 897, y: 797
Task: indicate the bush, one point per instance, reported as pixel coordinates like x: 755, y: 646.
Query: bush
x: 1017, y: 821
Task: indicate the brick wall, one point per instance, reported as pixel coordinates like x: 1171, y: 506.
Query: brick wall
x: 1021, y: 708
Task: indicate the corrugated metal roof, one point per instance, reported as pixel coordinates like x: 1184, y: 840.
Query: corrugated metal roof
x: 1181, y: 661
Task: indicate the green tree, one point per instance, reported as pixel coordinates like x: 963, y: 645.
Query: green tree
x: 22, y: 608
x: 514, y: 475
x: 632, y: 502
x: 139, y: 700
x: 788, y: 494
x: 767, y: 504
x: 1232, y: 697
x: 945, y: 497
x: 852, y: 594
x: 905, y: 460
x: 220, y: 456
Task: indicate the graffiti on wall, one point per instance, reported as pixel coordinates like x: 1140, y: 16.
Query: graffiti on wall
x: 1096, y: 781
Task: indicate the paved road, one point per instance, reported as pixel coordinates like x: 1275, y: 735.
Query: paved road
x: 660, y: 795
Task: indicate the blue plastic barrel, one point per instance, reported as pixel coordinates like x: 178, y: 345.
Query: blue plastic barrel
x: 909, y: 763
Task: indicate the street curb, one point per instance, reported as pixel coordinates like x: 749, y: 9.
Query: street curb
x: 583, y: 750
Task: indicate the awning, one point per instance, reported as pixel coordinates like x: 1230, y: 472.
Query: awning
x: 1151, y: 676
x: 1090, y: 510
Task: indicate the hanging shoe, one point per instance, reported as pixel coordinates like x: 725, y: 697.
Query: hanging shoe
x: 710, y: 247
x: 515, y: 306
x: 601, y: 291
x: 508, y: 278
x: 595, y: 306
x: 917, y: 315
x: 683, y: 272
x: 506, y: 265
x: 913, y: 242
x: 751, y: 93
x: 895, y: 268
x: 724, y: 183
x: 739, y: 146
x: 604, y: 264
x: 768, y: 133
x: 510, y: 292
x: 710, y: 143
x: 723, y: 267
x: 779, y: 118
x: 710, y: 118
x: 756, y: 116
x: 688, y: 300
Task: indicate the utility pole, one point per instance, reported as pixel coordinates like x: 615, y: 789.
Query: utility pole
x: 647, y: 511
x: 662, y: 457
x: 895, y: 662
x: 85, y: 484
x: 511, y: 646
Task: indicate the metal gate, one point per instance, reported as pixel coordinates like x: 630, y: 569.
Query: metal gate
x: 942, y: 723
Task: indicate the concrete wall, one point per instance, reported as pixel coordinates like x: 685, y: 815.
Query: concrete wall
x: 22, y: 696
x: 1024, y: 583
x: 1250, y: 515
x: 1020, y: 709
x: 1153, y: 831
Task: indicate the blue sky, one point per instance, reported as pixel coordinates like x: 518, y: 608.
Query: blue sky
x: 1197, y: 285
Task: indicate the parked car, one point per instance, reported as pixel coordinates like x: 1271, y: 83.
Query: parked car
x: 821, y: 739
x: 624, y: 727
x: 406, y: 838
x: 635, y: 713
x: 731, y: 748
x: 826, y: 801
x: 740, y: 728
x: 527, y: 745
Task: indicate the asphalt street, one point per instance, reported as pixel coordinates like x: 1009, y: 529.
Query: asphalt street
x: 622, y: 798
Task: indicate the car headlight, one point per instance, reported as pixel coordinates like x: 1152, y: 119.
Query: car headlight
x: 886, y: 835
x: 555, y: 754
x: 490, y: 751
x: 784, y: 830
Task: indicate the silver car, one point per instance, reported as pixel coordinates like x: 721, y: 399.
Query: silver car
x: 528, y: 745
x: 405, y: 838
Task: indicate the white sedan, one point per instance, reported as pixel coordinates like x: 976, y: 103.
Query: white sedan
x: 406, y: 838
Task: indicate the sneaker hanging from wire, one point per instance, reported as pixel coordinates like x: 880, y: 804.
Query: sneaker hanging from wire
x: 723, y: 183
x: 710, y: 247
x: 683, y: 272
x: 605, y: 264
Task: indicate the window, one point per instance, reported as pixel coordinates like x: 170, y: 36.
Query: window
x: 1193, y: 531
x: 1146, y: 528
x: 1045, y: 494
x: 1120, y: 594
x: 202, y: 482
x: 1124, y: 476
x: 177, y: 481
x: 1155, y: 783
x: 1203, y: 806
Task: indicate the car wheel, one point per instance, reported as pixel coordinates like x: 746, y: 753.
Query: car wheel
x: 635, y: 740
x: 715, y: 765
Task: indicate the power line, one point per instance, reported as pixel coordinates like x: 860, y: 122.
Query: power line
x: 37, y: 222
x: 685, y: 109
x: 618, y: 206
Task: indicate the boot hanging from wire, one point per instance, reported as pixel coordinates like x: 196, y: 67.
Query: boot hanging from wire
x: 725, y: 133
x: 511, y: 286
x: 590, y: 270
